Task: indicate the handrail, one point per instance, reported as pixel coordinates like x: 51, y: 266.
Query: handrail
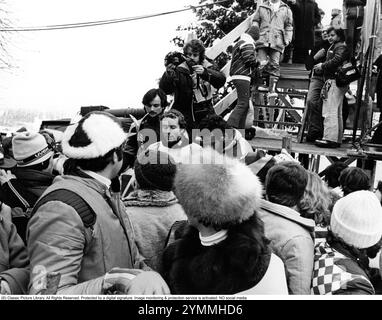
x: 221, y: 46
x: 213, y: 52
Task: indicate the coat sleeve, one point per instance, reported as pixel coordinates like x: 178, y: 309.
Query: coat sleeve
x: 256, y: 20
x: 168, y: 82
x: 56, y: 238
x: 317, y: 15
x: 15, y: 196
x: 340, y: 56
x: 215, y: 77
x: 288, y: 27
x: 17, y: 276
x: 298, y: 256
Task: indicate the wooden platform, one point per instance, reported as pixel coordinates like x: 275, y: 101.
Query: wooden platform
x: 302, y: 148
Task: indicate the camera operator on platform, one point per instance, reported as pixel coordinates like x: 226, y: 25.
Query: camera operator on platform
x: 191, y: 82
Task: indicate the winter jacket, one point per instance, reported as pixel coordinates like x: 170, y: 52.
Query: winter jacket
x: 337, y: 54
x: 229, y: 267
x: 28, y: 186
x: 291, y: 239
x: 191, y: 91
x: 59, y: 242
x: 276, y: 28
x: 152, y: 213
x: 337, y: 272
x: 14, y: 263
x: 22, y: 193
x: 306, y: 17
x: 243, y: 58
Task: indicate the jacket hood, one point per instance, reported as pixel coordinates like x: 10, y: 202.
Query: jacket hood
x: 267, y: 4
x: 150, y: 198
x: 288, y: 213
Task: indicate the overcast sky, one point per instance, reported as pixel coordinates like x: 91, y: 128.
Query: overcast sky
x: 112, y: 65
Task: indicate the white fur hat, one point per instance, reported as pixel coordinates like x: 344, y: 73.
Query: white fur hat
x: 93, y: 136
x: 217, y: 191
x: 357, y: 219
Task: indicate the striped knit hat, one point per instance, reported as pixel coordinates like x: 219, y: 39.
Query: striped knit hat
x: 30, y: 148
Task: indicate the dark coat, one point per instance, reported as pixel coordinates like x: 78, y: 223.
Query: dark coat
x: 180, y: 83
x: 28, y: 186
x: 22, y: 193
x: 135, y: 141
x: 306, y: 16
x: 229, y: 267
x: 14, y: 261
x: 337, y: 54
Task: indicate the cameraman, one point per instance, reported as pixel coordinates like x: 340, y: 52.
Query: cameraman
x: 191, y: 83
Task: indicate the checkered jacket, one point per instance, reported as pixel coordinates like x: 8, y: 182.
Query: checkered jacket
x: 334, y: 273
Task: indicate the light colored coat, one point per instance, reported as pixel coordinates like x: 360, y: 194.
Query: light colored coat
x: 59, y: 242
x: 291, y: 239
x: 152, y: 213
x: 276, y: 28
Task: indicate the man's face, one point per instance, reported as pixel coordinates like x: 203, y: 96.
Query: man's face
x: 154, y: 108
x: 170, y: 129
x: 194, y: 56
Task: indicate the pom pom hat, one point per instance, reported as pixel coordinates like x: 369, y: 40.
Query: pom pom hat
x: 357, y: 219
x: 93, y: 136
x: 217, y: 191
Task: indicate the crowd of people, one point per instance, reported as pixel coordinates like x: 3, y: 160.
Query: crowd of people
x: 180, y: 202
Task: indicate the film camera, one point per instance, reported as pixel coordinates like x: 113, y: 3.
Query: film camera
x: 176, y: 58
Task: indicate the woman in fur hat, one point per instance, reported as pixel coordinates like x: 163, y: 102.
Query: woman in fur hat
x: 223, y: 249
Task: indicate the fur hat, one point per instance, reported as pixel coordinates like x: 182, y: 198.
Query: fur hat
x: 93, y: 136
x: 155, y: 170
x: 30, y: 148
x: 217, y: 191
x: 357, y: 219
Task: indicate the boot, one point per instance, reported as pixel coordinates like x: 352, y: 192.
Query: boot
x: 272, y: 87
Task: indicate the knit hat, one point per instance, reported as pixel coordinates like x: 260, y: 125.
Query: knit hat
x: 220, y: 190
x: 30, y: 148
x: 357, y: 219
x: 93, y: 136
x: 155, y: 170
x: 254, y: 32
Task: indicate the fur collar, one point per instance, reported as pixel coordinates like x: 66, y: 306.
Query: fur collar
x: 150, y: 198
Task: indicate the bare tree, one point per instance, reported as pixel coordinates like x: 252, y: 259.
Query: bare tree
x: 5, y: 23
